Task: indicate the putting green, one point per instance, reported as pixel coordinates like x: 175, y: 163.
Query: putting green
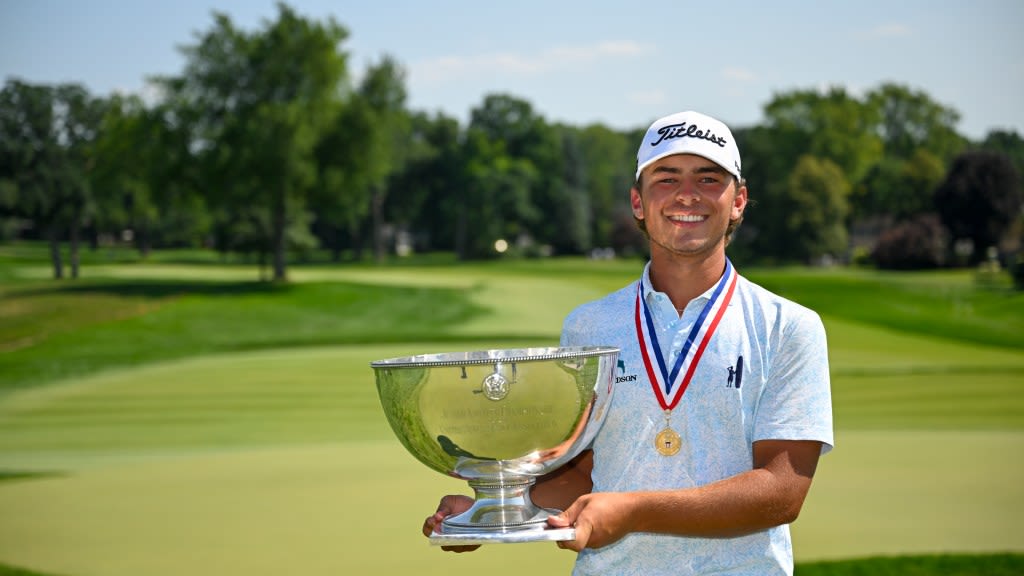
x: 350, y: 508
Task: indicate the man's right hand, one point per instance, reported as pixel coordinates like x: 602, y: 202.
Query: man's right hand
x: 449, y: 505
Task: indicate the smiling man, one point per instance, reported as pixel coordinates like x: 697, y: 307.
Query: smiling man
x: 692, y: 471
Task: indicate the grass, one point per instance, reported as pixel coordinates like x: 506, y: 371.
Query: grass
x: 134, y: 323
x: 945, y: 564
x: 174, y: 416
x: 939, y: 303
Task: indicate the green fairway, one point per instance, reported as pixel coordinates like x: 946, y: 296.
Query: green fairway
x: 203, y: 424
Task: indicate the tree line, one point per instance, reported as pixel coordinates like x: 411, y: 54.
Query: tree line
x: 266, y: 145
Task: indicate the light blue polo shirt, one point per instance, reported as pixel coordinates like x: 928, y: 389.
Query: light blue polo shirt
x: 764, y: 375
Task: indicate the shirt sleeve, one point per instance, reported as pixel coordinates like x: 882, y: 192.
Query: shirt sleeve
x: 797, y: 401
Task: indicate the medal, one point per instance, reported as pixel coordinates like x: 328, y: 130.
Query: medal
x: 669, y: 386
x: 667, y: 442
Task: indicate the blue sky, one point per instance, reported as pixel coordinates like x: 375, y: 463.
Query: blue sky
x: 619, y: 63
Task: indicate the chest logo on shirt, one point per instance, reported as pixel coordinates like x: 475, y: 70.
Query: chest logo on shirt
x: 735, y: 374
x: 624, y: 377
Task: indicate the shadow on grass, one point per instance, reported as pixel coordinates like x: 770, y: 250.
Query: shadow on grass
x: 6, y: 570
x: 155, y: 289
x: 1009, y: 564
x: 13, y: 475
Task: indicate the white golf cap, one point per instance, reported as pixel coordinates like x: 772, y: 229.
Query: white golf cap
x: 689, y: 133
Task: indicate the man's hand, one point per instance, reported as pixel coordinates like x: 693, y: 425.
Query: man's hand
x: 599, y: 519
x: 449, y: 505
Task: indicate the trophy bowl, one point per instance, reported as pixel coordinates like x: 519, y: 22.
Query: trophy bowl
x: 498, y: 419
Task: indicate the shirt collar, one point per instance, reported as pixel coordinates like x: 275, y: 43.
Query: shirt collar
x: 650, y: 294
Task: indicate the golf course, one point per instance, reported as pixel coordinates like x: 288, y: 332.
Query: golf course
x: 174, y: 415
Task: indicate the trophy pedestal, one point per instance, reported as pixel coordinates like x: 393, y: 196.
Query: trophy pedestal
x: 502, y: 513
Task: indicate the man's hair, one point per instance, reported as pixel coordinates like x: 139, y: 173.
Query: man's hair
x: 729, y: 230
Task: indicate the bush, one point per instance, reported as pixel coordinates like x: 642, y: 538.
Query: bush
x: 915, y: 244
x: 1017, y: 271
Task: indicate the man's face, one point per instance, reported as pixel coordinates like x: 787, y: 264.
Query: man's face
x: 686, y: 204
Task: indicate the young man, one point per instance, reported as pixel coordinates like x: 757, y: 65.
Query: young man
x: 712, y: 440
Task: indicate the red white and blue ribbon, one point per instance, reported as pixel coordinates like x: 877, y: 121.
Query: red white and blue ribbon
x: 670, y: 382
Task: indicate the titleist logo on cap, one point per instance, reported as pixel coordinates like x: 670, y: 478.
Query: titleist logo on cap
x: 681, y: 130
x: 689, y: 133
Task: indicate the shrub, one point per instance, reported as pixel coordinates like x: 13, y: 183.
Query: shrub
x: 914, y: 244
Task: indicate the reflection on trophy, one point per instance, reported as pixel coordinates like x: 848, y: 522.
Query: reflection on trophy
x: 498, y: 419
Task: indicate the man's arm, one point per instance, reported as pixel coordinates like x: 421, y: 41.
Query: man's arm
x: 769, y: 495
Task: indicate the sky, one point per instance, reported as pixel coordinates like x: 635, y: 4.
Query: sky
x: 622, y: 63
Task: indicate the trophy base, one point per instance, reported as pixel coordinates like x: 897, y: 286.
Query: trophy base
x: 502, y: 513
x: 513, y: 537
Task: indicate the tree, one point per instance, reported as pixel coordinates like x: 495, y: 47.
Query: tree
x: 31, y: 159
x: 816, y: 210
x: 507, y: 148
x: 979, y: 200
x: 383, y: 92
x: 899, y: 188
x: 260, y: 102
x: 1007, y: 142
x: 145, y: 179
x: 829, y: 124
x: 496, y: 202
x: 362, y: 149
x: 608, y: 157
x: 46, y: 134
x: 910, y: 121
x: 341, y: 197
x: 428, y: 190
x: 825, y: 125
x: 566, y: 194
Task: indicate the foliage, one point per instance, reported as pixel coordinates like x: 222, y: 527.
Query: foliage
x: 910, y: 122
x: 428, y: 193
x: 502, y: 177
x: 830, y: 124
x: 45, y: 136
x: 915, y: 244
x: 891, y: 147
x: 1017, y: 270
x: 145, y: 180
x: 1007, y: 142
x: 900, y: 188
x: 260, y: 101
x: 608, y: 159
x: 979, y: 200
x: 816, y: 206
x: 383, y: 92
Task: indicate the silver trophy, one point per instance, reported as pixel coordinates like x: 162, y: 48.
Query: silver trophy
x: 498, y: 419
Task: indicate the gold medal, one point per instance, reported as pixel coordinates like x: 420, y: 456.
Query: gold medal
x: 667, y: 442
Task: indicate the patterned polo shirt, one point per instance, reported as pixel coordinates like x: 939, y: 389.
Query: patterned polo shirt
x: 763, y: 375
